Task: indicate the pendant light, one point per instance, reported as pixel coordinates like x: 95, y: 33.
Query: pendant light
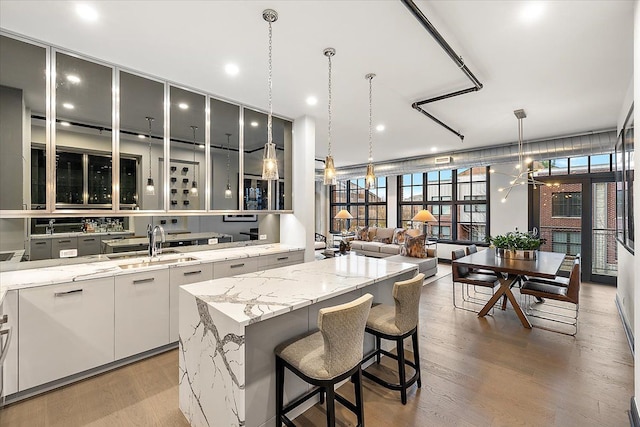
x: 194, y: 184
x: 269, y: 159
x: 150, y: 189
x: 370, y: 177
x: 227, y: 193
x: 329, y: 168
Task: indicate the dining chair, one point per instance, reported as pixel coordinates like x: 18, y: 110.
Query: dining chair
x: 557, y: 281
x: 395, y: 323
x: 474, y: 286
x: 324, y: 358
x: 569, y: 294
x: 472, y: 249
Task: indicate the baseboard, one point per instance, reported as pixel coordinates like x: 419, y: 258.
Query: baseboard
x: 634, y: 419
x: 627, y: 329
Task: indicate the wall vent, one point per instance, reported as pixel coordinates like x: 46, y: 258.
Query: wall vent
x: 443, y: 160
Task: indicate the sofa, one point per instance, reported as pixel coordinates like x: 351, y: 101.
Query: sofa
x: 377, y: 246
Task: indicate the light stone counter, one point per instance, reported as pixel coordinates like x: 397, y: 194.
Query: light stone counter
x: 229, y: 327
x: 92, y: 270
x: 80, y: 233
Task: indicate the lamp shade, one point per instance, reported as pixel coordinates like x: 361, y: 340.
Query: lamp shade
x: 424, y: 216
x: 343, y: 214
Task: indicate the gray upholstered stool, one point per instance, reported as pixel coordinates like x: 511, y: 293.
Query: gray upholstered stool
x: 326, y: 357
x: 397, y: 323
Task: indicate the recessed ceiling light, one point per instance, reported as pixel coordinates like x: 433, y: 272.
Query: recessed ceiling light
x: 72, y: 78
x: 232, y: 69
x: 312, y: 100
x: 65, y: 124
x: 532, y: 11
x: 141, y: 136
x: 86, y: 12
x: 201, y: 146
x: 68, y: 106
x: 380, y: 128
x: 183, y: 106
x: 254, y: 124
x: 434, y: 149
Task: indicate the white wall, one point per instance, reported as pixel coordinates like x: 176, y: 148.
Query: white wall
x: 511, y: 214
x: 298, y: 228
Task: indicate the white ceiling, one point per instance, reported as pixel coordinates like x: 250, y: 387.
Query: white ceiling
x: 569, y: 70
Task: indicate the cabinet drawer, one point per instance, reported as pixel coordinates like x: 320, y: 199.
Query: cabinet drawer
x: 63, y: 244
x: 88, y: 245
x: 280, y: 260
x: 64, y: 329
x: 179, y: 276
x: 141, y: 312
x: 40, y: 249
x: 234, y: 267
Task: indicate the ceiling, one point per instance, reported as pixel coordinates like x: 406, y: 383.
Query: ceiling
x: 569, y: 70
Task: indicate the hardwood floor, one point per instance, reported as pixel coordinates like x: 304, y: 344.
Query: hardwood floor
x: 475, y: 372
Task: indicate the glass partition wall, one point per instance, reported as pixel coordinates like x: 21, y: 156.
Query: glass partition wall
x: 178, y: 150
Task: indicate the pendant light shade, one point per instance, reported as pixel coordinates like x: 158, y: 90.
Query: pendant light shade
x: 370, y: 177
x: 227, y: 192
x: 329, y: 168
x: 269, y: 158
x: 150, y: 189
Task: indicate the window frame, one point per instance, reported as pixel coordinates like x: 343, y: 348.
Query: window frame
x: 354, y: 206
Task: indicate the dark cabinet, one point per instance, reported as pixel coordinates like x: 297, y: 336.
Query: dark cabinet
x: 40, y: 249
x: 88, y: 245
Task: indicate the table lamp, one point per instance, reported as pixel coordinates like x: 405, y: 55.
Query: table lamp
x: 344, y: 215
x: 424, y: 216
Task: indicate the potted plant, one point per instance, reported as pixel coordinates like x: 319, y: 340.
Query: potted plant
x: 516, y: 244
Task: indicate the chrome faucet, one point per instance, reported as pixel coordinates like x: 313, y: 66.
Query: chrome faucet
x: 155, y: 247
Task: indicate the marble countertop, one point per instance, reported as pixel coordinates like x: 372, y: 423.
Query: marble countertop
x: 253, y: 297
x: 20, y: 279
x: 78, y: 234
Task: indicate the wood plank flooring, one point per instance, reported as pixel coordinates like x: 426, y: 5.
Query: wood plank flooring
x: 475, y: 372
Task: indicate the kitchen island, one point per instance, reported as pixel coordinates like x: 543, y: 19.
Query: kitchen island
x: 229, y: 327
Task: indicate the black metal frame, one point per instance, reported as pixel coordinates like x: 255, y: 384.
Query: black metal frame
x: 415, y: 11
x: 323, y: 387
x: 366, y: 204
x: 399, y: 340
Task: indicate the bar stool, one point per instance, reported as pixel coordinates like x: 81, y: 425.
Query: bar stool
x: 396, y: 324
x: 324, y: 358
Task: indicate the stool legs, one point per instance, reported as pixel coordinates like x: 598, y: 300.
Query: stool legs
x: 331, y: 406
x: 416, y: 356
x: 401, y: 371
x: 279, y: 390
x: 378, y: 343
x: 359, y: 402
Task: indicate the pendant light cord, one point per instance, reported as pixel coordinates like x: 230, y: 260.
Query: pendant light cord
x: 149, y: 119
x: 194, y: 128
x: 329, y: 108
x: 269, y: 120
x: 228, y: 159
x: 370, y: 121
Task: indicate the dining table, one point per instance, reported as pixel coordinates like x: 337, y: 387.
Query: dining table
x: 546, y: 265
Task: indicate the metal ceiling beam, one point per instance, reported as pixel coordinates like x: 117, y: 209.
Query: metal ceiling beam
x: 457, y: 59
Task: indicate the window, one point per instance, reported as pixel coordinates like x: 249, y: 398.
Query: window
x: 457, y: 198
x: 566, y: 204
x: 567, y: 242
x: 368, y: 207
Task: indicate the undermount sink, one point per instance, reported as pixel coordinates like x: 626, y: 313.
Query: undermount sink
x: 138, y: 254
x: 153, y: 262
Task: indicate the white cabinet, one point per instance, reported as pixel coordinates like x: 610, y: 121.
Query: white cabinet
x: 64, y: 329
x: 179, y: 276
x: 265, y: 262
x: 141, y: 312
x: 234, y: 267
x: 9, y: 308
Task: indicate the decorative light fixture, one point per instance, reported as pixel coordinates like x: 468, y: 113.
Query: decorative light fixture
x: 194, y: 184
x: 329, y: 168
x: 150, y: 189
x: 269, y: 159
x: 227, y: 193
x: 525, y: 175
x: 344, y: 215
x: 370, y: 177
x: 424, y: 216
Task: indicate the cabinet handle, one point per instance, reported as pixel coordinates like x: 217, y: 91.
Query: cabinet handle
x: 88, y: 240
x: 41, y: 243
x: 64, y: 241
x: 4, y: 319
x: 189, y: 273
x: 150, y: 279
x: 237, y: 265
x: 61, y: 294
x: 282, y: 258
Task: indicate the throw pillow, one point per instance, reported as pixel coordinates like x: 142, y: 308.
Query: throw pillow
x: 386, y: 240
x: 398, y: 236
x: 414, y: 247
x: 363, y: 233
x: 431, y: 253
